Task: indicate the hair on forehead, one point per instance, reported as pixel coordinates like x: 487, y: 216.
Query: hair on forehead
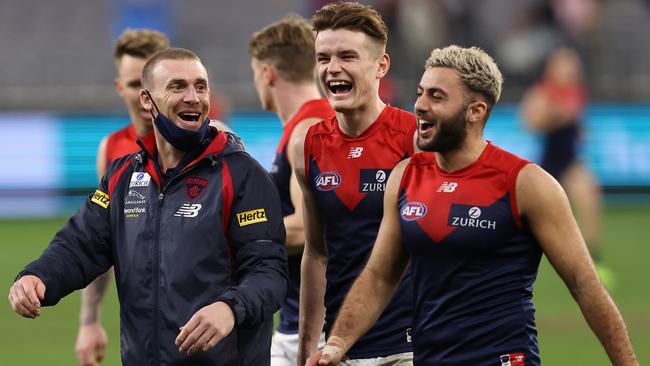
x: 288, y: 45
x: 168, y: 54
x: 476, y: 69
x: 352, y: 16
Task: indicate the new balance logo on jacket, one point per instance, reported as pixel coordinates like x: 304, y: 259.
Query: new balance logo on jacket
x: 188, y: 210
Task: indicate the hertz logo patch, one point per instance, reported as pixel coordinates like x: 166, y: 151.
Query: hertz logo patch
x: 251, y: 217
x: 101, y: 198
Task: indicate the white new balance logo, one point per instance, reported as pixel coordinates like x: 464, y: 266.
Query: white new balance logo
x: 355, y: 152
x: 447, y: 187
x: 188, y: 210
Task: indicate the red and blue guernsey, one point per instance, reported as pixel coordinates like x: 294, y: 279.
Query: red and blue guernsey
x: 473, y: 262
x: 281, y: 173
x: 120, y: 143
x: 348, y: 178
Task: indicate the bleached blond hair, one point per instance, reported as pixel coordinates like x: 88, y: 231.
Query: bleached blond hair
x: 476, y: 69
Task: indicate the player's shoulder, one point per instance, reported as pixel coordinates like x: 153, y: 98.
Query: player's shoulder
x: 502, y: 160
x: 325, y: 126
x: 397, y: 174
x: 121, y: 133
x: 399, y: 120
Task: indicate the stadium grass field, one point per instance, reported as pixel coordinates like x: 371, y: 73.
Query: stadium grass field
x: 563, y: 334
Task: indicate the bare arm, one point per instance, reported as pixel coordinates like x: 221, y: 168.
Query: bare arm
x: 91, y: 338
x: 314, y: 260
x: 551, y: 220
x: 100, y: 162
x: 294, y: 223
x: 376, y: 285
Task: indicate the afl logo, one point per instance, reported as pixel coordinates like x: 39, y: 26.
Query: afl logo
x: 326, y: 181
x: 413, y: 211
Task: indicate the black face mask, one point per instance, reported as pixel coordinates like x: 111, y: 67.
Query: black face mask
x: 180, y: 138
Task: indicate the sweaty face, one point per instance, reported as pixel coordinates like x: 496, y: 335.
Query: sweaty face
x: 128, y: 84
x: 348, y: 68
x: 180, y: 90
x: 441, y: 114
x: 261, y: 85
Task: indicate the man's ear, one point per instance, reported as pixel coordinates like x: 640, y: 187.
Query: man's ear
x: 145, y: 100
x: 270, y: 74
x: 384, y: 65
x: 118, y: 87
x: 477, y: 111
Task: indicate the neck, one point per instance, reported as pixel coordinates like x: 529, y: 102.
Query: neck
x: 354, y: 122
x: 291, y: 96
x: 168, y: 155
x: 142, y: 128
x: 469, y: 151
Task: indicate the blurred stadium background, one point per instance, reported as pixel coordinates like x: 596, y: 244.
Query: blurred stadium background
x: 57, y: 101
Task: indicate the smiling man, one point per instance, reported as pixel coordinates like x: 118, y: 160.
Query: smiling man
x: 473, y: 221
x: 342, y: 164
x: 132, y: 49
x: 193, y: 226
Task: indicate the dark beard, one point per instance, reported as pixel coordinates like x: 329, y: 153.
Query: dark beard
x: 450, y: 135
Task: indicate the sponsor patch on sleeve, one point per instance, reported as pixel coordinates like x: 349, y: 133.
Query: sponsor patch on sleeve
x: 251, y: 217
x: 101, y: 198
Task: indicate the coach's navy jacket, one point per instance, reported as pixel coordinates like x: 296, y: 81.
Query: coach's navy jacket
x: 213, y: 232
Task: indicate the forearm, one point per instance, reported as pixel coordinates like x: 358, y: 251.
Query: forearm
x: 366, y: 300
x: 312, y: 297
x: 606, y: 322
x: 91, y: 298
x: 295, y: 241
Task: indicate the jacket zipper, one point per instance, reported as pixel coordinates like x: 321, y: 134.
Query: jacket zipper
x: 156, y: 265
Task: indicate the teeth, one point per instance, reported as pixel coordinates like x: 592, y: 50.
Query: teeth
x: 339, y: 83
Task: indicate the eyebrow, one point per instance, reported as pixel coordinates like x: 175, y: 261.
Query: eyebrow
x: 349, y: 51
x: 134, y: 83
x: 184, y: 82
x: 432, y: 90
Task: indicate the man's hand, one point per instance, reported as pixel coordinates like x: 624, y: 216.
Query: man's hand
x: 91, y: 344
x: 206, y: 328
x: 329, y: 356
x: 25, y: 296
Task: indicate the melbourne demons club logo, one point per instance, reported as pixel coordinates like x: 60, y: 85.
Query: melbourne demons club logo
x: 412, y: 211
x: 194, y: 186
x: 327, y: 181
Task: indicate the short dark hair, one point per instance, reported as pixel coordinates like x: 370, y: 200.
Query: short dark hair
x: 288, y: 45
x: 352, y: 16
x: 140, y: 43
x: 168, y: 54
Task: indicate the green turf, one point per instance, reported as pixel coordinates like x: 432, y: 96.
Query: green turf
x: 564, y: 336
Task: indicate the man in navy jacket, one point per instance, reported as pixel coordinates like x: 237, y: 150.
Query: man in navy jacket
x: 193, y: 226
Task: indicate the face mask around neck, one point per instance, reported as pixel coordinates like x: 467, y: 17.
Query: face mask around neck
x: 180, y: 138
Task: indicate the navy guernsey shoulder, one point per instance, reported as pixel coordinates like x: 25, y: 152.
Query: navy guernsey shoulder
x: 348, y: 178
x: 473, y: 263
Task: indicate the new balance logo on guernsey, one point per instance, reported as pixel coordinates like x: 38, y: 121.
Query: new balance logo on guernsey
x: 447, y: 187
x: 355, y: 152
x: 188, y: 210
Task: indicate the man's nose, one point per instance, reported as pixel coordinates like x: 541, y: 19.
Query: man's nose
x: 334, y: 66
x: 191, y: 96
